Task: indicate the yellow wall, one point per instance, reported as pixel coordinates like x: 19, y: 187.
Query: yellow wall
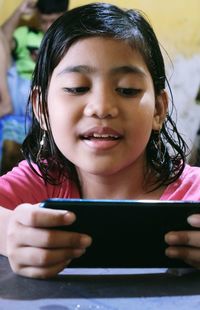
x: 176, y: 22
x: 6, y: 7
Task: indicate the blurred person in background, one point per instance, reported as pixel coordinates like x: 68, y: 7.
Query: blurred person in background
x: 19, y: 45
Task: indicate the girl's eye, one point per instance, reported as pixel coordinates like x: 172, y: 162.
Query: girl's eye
x: 76, y: 90
x: 128, y: 92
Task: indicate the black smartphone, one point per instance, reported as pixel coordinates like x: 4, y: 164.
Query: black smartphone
x: 126, y: 233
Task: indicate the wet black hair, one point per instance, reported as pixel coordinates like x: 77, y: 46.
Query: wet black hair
x: 52, y: 6
x: 165, y: 152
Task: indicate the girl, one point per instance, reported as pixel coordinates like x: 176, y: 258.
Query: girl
x: 101, y: 129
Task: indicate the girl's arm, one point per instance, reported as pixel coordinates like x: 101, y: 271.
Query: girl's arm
x: 5, y: 216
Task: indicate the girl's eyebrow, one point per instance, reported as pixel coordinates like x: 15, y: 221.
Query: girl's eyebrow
x: 78, y: 69
x: 127, y: 69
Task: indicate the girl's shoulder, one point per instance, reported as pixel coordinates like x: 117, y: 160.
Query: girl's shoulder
x: 186, y: 187
x: 20, y: 173
x: 23, y: 185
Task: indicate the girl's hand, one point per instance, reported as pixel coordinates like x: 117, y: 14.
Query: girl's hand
x: 34, y: 249
x: 185, y: 245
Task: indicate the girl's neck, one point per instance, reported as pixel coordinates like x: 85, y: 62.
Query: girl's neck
x: 126, y: 184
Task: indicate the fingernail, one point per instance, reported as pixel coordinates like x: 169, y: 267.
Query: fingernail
x: 171, y: 253
x: 194, y: 220
x: 171, y: 238
x: 68, y: 214
x: 85, y: 241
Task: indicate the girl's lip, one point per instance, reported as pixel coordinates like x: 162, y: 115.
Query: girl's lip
x: 101, y: 138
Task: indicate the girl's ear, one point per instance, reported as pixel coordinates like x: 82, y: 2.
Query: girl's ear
x: 161, y: 109
x: 37, y: 107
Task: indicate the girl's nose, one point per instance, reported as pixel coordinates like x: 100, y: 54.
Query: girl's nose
x: 101, y: 105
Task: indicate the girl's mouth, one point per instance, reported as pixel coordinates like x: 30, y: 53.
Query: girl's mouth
x: 97, y: 136
x: 101, y: 138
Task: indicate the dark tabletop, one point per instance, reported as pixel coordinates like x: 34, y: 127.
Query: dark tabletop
x: 83, y: 289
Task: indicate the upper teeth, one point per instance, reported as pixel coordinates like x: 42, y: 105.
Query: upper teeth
x: 96, y: 135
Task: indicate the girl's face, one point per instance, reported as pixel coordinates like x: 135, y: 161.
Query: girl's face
x: 102, y: 106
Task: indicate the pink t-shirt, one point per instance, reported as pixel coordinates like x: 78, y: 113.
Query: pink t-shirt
x: 186, y: 187
x: 22, y: 185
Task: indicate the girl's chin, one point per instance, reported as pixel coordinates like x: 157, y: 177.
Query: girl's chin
x: 106, y: 171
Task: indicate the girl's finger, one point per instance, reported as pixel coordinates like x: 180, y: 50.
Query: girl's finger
x: 46, y: 238
x: 41, y: 272
x: 33, y: 215
x: 189, y: 238
x: 190, y: 256
x: 194, y: 220
x: 35, y: 257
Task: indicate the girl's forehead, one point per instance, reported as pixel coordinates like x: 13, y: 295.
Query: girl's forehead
x: 101, y: 50
x: 99, y: 56
x: 104, y: 41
